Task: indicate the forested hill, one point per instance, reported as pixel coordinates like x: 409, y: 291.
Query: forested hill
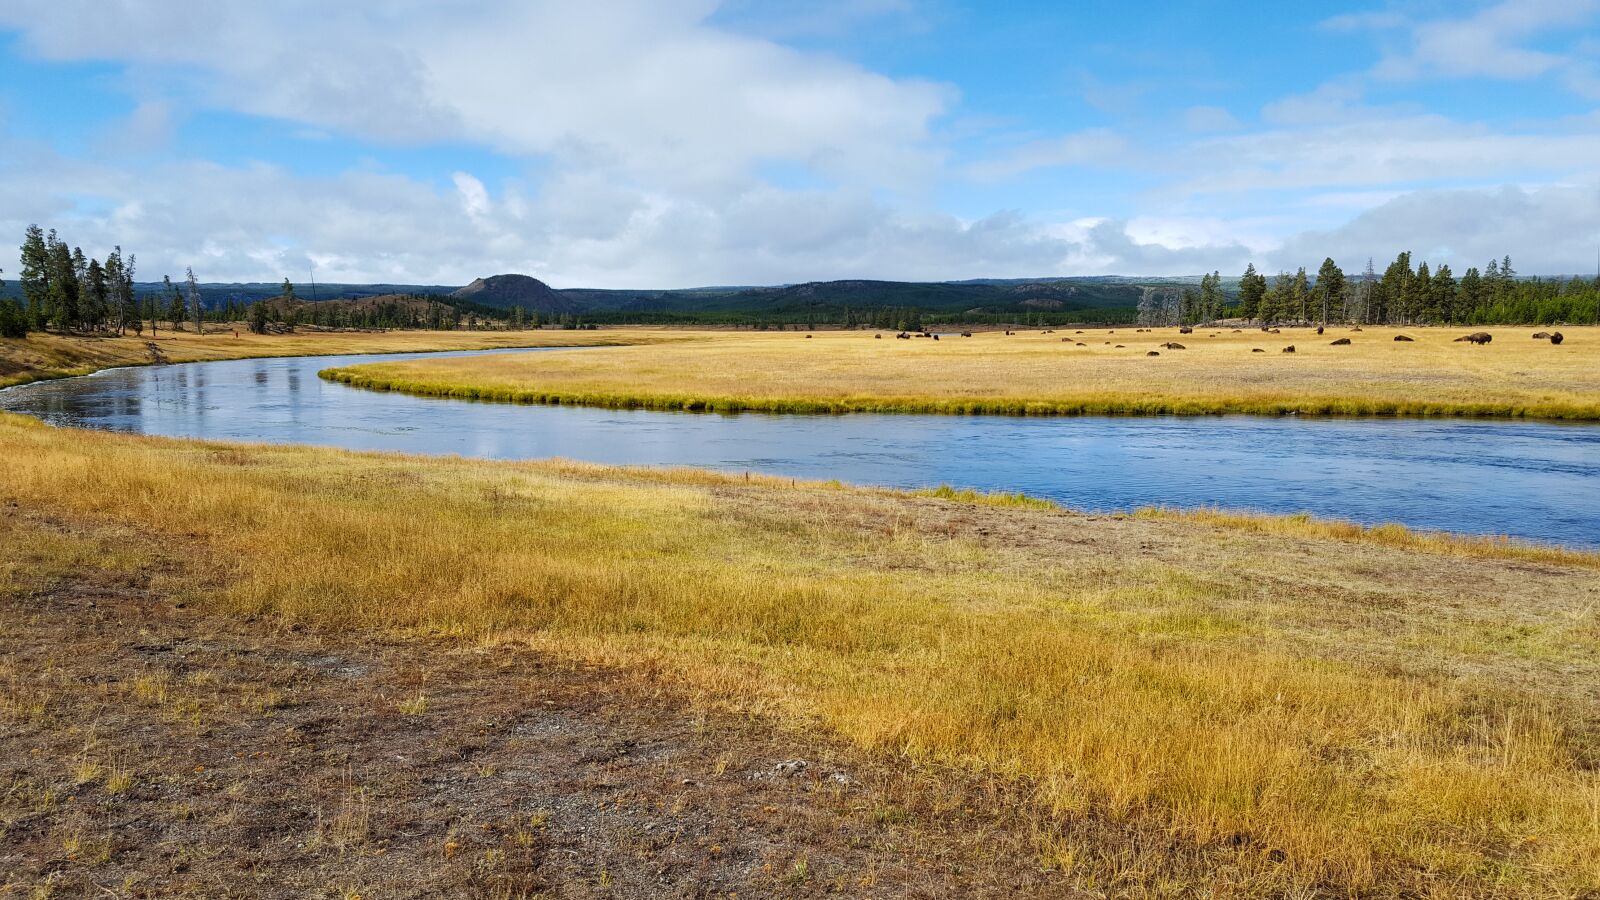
x: 987, y: 296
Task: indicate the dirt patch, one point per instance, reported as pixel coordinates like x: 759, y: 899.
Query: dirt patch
x: 152, y: 750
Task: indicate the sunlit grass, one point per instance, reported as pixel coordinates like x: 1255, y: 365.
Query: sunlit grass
x: 1290, y: 708
x: 43, y: 356
x: 1033, y: 373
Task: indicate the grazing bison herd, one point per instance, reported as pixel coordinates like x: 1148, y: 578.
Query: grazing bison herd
x: 1477, y: 337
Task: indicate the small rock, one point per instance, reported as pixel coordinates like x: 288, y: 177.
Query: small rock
x: 790, y: 767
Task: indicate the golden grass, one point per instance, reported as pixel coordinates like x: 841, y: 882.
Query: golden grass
x: 41, y: 356
x: 1032, y: 373
x: 1240, y: 712
x: 1391, y: 534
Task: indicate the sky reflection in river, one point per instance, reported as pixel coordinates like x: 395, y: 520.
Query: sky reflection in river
x: 1532, y: 480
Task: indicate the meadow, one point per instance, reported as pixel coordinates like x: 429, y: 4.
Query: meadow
x: 1193, y: 704
x: 43, y: 355
x: 1066, y: 372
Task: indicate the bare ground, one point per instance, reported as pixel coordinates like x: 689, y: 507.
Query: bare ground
x: 148, y: 749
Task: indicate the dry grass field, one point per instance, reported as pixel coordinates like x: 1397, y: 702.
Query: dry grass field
x: 1061, y: 373
x: 42, y: 355
x: 1191, y: 706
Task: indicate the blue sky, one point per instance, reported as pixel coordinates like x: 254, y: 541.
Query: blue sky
x: 684, y: 142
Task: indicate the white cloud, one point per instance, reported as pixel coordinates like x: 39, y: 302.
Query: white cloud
x: 1388, y: 151
x: 1491, y: 42
x: 644, y: 86
x: 651, y: 130
x: 1547, y: 230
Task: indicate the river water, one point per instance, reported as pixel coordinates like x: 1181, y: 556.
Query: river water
x: 1537, y: 481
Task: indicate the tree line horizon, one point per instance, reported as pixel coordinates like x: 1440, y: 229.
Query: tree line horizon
x: 65, y: 290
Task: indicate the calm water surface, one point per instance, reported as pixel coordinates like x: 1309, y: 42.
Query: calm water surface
x: 1531, y: 480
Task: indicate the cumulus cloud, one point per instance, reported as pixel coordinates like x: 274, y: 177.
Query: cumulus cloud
x: 1491, y: 42
x: 1556, y: 227
x: 646, y: 86
x: 651, y: 130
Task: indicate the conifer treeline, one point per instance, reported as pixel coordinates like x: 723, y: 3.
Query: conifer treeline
x: 65, y: 290
x: 1404, y: 295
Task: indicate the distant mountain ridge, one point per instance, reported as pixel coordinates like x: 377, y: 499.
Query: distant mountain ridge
x: 796, y: 302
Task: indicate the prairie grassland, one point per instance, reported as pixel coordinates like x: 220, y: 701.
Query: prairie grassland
x: 41, y: 356
x: 1032, y: 373
x: 1201, y: 709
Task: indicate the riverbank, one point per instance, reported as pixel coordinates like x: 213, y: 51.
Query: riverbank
x: 42, y: 356
x: 1268, y: 710
x: 1093, y: 372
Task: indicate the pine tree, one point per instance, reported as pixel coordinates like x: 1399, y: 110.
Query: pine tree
x: 1397, y: 290
x: 258, y: 317
x: 1422, y: 292
x: 1276, y: 303
x: 1330, y: 289
x: 1470, y: 296
x: 97, y: 294
x: 61, y: 301
x: 1211, y: 296
x: 175, y: 306
x: 35, y: 276
x: 1300, y: 295
x: 1252, y: 287
x: 1443, y: 300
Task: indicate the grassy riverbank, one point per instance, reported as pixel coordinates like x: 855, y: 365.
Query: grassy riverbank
x: 1264, y: 710
x: 1034, y: 373
x: 42, y: 356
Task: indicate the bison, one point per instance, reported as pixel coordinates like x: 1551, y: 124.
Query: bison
x: 1319, y: 329
x: 1401, y: 337
x: 1341, y: 342
x: 1477, y: 337
x: 1152, y: 353
x: 1289, y: 349
x: 1542, y: 336
x: 1186, y: 330
x: 1174, y: 345
x: 1257, y: 350
x: 1556, y: 338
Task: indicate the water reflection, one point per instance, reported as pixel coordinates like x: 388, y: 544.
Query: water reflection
x: 1533, y: 480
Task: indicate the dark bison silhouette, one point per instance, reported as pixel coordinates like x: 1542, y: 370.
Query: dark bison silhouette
x: 1174, y: 345
x: 1341, y: 342
x: 1289, y: 349
x: 1152, y: 353
x: 1319, y: 329
x: 1556, y: 338
x: 1257, y: 350
x: 1186, y: 330
x: 1401, y: 337
x: 1477, y: 337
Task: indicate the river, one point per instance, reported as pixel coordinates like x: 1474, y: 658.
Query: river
x: 1532, y: 480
